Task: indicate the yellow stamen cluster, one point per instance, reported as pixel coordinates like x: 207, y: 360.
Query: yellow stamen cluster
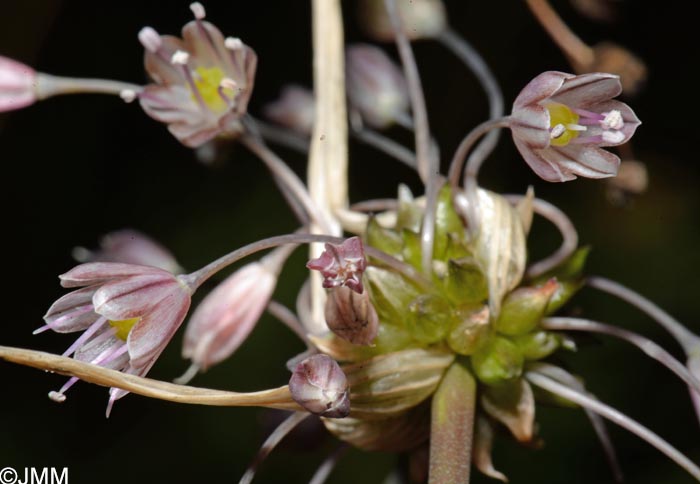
x: 561, y: 115
x: 207, y: 80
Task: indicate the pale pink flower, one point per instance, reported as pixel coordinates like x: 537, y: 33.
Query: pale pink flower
x: 202, y: 82
x: 17, y: 85
x: 227, y: 315
x: 294, y: 109
x: 130, y: 247
x: 319, y: 385
x: 560, y: 122
x: 376, y: 86
x: 128, y: 314
x: 342, y: 265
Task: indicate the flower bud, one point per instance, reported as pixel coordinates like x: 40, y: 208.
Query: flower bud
x: 429, y: 318
x: 351, y: 316
x: 421, y: 18
x: 341, y: 265
x: 228, y: 314
x: 523, y: 308
x: 376, y: 86
x: 294, y: 109
x: 538, y: 344
x: 320, y: 386
x: 17, y: 85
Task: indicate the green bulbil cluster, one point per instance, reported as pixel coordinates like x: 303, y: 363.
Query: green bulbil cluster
x: 451, y: 311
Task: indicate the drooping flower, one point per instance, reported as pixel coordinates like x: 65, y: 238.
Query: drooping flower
x: 376, y: 85
x: 342, y: 265
x: 17, y: 85
x: 129, y: 247
x: 294, y: 109
x: 227, y: 315
x: 202, y: 82
x: 128, y: 314
x: 421, y: 18
x: 560, y: 122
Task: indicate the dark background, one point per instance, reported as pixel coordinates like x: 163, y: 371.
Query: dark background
x: 74, y: 168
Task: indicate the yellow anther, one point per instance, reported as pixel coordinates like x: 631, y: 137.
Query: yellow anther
x: 123, y: 327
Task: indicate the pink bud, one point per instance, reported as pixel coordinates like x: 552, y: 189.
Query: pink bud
x: 319, y: 385
x: 351, y: 316
x: 17, y: 85
x: 228, y: 314
x: 294, y: 109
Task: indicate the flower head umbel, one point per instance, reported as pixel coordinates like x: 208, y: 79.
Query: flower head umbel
x: 342, y: 265
x: 202, y: 82
x: 17, y: 85
x: 561, y: 121
x: 128, y: 314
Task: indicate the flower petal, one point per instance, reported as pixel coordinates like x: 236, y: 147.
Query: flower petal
x: 152, y: 333
x: 530, y: 124
x: 158, y: 65
x: 628, y: 116
x: 205, y: 42
x: 585, y: 160
x: 588, y: 89
x: 540, y: 88
x: 544, y: 168
x: 99, y: 272
x: 72, y: 312
x: 135, y: 296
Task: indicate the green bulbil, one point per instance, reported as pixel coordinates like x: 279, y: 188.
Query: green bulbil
x: 411, y: 251
x: 391, y: 338
x: 471, y: 333
x: 465, y: 283
x: 499, y: 360
x: 571, y: 268
x: 565, y: 291
x: 446, y: 222
x: 456, y: 248
x: 537, y: 345
x: 409, y: 215
x: 383, y: 239
x: 523, y: 308
x: 430, y: 318
x: 391, y: 294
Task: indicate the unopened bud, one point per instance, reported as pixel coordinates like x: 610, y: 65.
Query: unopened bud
x: 341, y: 265
x: 294, y: 109
x: 319, y: 385
x: 420, y: 18
x: 523, y: 308
x: 376, y: 85
x: 351, y: 316
x: 17, y: 85
x: 609, y: 57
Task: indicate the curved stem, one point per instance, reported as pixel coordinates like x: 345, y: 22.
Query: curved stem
x: 597, y: 422
x: 465, y: 146
x: 385, y: 145
x: 328, y: 465
x: 650, y: 348
x: 279, y: 398
x: 579, y: 54
x: 375, y: 205
x: 286, y: 176
x: 281, y: 136
x: 427, y: 231
x: 614, y: 416
x: 473, y: 60
x: 289, y: 319
x: 685, y: 338
x: 271, y: 442
x: 195, y: 279
x: 47, y: 86
x: 567, y: 230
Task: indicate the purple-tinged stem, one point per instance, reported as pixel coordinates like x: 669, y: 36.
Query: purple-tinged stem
x: 289, y: 319
x: 197, y: 278
x: 614, y: 416
x: 328, y: 465
x: 681, y: 334
x: 278, y: 135
x: 271, y: 442
x: 650, y: 348
x: 48, y: 85
x: 375, y: 205
x: 385, y: 145
x: 566, y: 229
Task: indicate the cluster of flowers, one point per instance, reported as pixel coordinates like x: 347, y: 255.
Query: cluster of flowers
x: 432, y: 320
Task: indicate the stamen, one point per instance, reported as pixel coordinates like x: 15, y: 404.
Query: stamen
x: 150, y: 39
x: 233, y: 43
x: 57, y: 397
x: 575, y: 127
x: 613, y: 120
x: 557, y: 131
x: 198, y: 10
x: 231, y: 85
x: 180, y: 57
x: 128, y: 95
x: 84, y: 337
x: 43, y: 328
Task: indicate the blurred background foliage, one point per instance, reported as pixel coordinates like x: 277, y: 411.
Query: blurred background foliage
x: 77, y: 167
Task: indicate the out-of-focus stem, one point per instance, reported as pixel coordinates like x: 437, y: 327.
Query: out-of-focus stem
x: 386, y: 145
x: 614, y: 416
x: 48, y: 85
x: 328, y: 465
x: 289, y: 319
x: 579, y: 54
x: 473, y: 60
x: 276, y: 398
